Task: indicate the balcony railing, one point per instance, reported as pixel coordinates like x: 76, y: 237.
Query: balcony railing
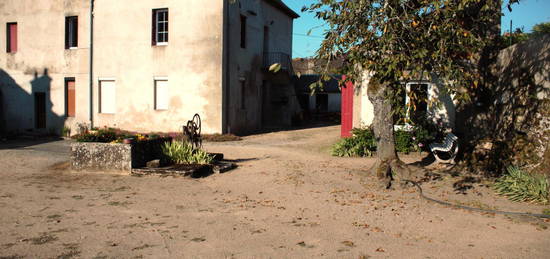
x: 271, y: 58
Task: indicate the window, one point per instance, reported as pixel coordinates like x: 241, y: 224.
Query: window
x: 71, y: 32
x: 107, y: 96
x: 243, y: 31
x: 412, y: 104
x: 70, y: 97
x: 243, y: 94
x: 161, y: 94
x: 11, y: 37
x: 160, y: 26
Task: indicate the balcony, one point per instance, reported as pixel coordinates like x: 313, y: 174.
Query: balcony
x: 271, y: 58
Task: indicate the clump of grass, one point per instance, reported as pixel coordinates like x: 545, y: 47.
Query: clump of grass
x: 181, y: 152
x: 518, y: 185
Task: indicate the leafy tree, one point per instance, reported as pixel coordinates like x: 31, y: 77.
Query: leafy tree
x: 541, y: 29
x: 386, y: 42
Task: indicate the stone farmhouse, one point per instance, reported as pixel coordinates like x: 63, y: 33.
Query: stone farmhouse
x: 146, y: 65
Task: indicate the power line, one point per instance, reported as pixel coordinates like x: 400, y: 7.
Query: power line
x: 311, y: 36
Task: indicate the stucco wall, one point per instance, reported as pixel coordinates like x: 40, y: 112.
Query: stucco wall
x: 192, y: 63
x: 41, y: 62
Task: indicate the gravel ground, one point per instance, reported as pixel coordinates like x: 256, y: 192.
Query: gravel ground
x: 287, y: 199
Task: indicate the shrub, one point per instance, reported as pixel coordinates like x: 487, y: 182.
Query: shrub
x: 362, y: 143
x: 521, y: 186
x: 181, y: 152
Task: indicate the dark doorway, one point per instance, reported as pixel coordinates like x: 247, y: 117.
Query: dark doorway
x: 419, y: 102
x: 40, y: 110
x: 321, y: 101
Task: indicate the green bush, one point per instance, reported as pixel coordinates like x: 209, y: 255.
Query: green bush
x: 521, y: 186
x: 362, y: 143
x: 181, y: 152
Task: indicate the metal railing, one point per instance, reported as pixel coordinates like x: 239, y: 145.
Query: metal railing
x: 271, y: 58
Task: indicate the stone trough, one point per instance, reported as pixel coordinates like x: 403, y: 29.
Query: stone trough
x: 115, y: 156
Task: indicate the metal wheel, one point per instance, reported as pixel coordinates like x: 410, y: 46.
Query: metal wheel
x: 197, y: 122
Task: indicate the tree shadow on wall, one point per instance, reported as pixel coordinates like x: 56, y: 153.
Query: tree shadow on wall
x: 509, y: 114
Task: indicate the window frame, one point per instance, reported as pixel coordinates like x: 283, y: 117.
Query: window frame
x: 243, y: 31
x: 67, y: 97
x: 9, y: 41
x: 100, y: 96
x: 407, y: 125
x: 156, y: 40
x: 156, y: 96
x: 71, y: 32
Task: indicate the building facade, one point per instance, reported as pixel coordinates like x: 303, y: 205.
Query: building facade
x: 153, y: 64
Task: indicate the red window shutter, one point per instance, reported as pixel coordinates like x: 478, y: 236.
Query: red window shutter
x: 71, y: 99
x: 154, y: 29
x: 12, y: 37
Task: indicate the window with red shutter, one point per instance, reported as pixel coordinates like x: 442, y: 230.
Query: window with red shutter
x: 11, y: 42
x: 70, y: 99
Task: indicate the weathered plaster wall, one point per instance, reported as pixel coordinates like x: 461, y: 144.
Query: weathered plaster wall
x: 192, y: 62
x: 41, y: 62
x: 246, y: 64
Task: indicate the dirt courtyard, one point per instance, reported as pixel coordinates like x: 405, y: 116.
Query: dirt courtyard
x: 287, y: 199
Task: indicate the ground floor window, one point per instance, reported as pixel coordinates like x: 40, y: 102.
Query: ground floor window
x: 107, y: 96
x: 161, y: 94
x: 70, y: 97
x: 412, y: 103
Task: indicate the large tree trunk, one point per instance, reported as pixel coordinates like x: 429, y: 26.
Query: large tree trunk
x: 388, y: 166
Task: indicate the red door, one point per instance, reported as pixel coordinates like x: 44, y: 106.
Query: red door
x: 347, y: 108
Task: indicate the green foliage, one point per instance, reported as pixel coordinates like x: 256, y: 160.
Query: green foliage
x: 403, y: 141
x: 522, y: 186
x: 105, y: 135
x: 362, y: 143
x: 181, y: 152
x: 541, y: 29
x: 66, y: 131
x: 408, y: 39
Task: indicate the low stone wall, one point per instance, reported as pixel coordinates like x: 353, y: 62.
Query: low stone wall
x: 120, y: 157
x: 101, y: 156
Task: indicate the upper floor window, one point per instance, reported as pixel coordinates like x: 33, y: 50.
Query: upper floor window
x: 160, y: 26
x: 71, y: 32
x: 11, y: 37
x: 243, y: 31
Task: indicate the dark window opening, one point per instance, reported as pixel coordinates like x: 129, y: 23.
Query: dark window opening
x: 70, y: 97
x: 321, y: 101
x: 418, y: 98
x: 266, y: 39
x: 11, y: 37
x: 243, y: 95
x: 160, y: 26
x: 71, y: 32
x: 243, y: 31
x: 40, y: 110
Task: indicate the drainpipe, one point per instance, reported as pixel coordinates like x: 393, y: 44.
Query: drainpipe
x: 226, y: 124
x: 91, y: 70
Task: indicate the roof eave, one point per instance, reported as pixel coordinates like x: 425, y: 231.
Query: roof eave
x: 283, y: 7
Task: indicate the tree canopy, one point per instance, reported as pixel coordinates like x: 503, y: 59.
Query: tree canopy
x: 403, y: 39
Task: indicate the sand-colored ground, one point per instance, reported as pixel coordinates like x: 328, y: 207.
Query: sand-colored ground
x: 288, y: 199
